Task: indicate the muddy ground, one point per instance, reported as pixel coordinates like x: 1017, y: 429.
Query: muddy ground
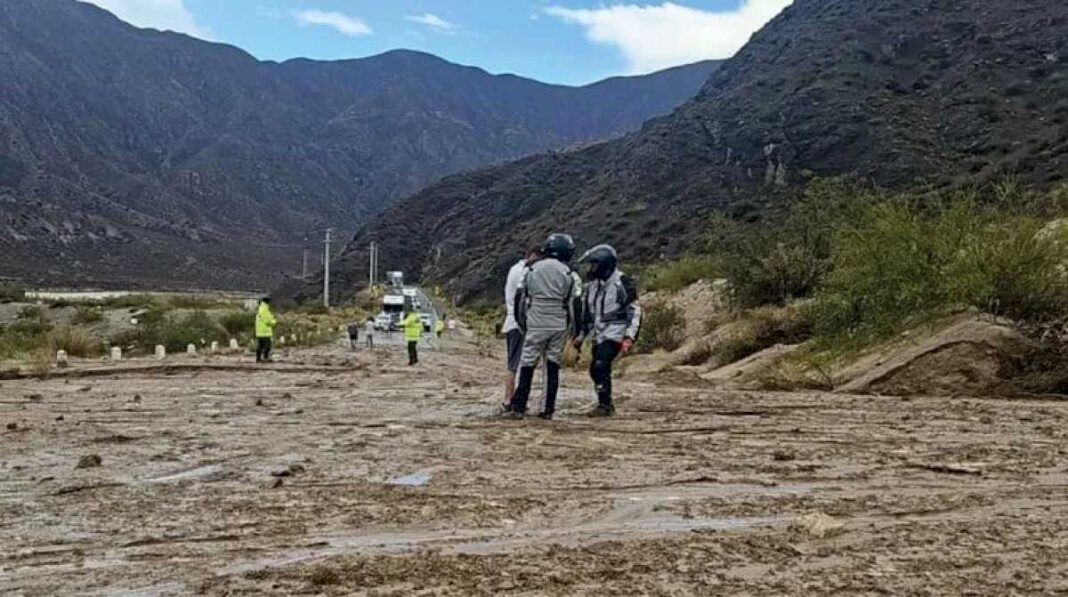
x: 333, y: 473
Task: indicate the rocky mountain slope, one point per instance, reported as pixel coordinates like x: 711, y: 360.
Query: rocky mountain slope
x: 131, y: 155
x: 902, y: 92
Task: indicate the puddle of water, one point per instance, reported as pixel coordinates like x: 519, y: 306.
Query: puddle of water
x: 418, y: 479
x: 196, y: 473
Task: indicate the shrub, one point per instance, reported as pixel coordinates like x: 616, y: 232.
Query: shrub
x: 239, y: 324
x: 762, y: 328
x: 663, y: 327
x: 33, y: 312
x: 900, y: 263
x: 10, y: 293
x: 783, y: 257
x: 87, y: 315
x: 24, y: 335
x: 157, y: 328
x: 192, y: 329
x: 76, y: 342
x: 677, y: 275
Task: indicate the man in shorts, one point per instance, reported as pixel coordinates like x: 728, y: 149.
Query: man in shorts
x: 512, y: 334
x: 546, y: 307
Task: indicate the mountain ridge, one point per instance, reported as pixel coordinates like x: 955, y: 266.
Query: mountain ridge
x: 934, y: 92
x: 131, y: 156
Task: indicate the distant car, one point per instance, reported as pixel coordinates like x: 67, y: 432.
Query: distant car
x: 383, y: 322
x: 428, y: 321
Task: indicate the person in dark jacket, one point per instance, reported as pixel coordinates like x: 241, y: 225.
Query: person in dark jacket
x: 611, y: 318
x: 354, y: 335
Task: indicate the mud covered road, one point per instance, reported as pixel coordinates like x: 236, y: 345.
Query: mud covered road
x: 333, y: 473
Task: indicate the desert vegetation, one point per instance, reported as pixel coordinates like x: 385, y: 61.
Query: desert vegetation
x: 847, y: 265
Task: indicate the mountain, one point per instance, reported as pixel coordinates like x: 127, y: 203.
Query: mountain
x: 901, y: 92
x: 132, y: 156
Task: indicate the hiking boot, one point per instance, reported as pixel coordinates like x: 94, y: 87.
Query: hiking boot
x: 513, y: 415
x: 601, y: 411
x: 546, y: 416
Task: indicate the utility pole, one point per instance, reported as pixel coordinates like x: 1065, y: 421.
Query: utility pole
x: 326, y: 268
x: 372, y: 273
x: 304, y: 265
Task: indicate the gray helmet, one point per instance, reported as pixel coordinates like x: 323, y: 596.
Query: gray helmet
x: 602, y: 261
x: 560, y: 247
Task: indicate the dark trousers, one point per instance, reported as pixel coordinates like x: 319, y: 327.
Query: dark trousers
x: 413, y: 353
x: 526, y: 380
x: 601, y: 370
x: 263, y: 349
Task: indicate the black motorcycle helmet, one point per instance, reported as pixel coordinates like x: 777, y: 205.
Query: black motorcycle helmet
x: 602, y: 261
x: 560, y: 247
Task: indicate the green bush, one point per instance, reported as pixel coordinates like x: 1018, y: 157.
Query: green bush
x: 30, y: 313
x: 194, y: 328
x: 899, y: 263
x: 10, y: 293
x: 239, y: 324
x: 784, y: 256
x: 663, y: 328
x: 86, y: 315
x: 675, y: 275
x: 76, y: 343
x: 156, y: 328
x: 762, y: 328
x: 25, y: 335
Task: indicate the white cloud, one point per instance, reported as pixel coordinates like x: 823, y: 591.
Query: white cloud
x: 657, y: 37
x: 166, y: 15
x: 431, y: 20
x: 344, y: 24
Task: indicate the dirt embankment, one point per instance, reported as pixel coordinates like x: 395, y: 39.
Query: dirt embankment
x: 959, y: 355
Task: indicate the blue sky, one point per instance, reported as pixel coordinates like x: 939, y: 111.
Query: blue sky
x: 558, y: 41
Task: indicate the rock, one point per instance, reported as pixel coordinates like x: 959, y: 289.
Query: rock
x: 137, y: 398
x: 12, y: 426
x: 289, y: 471
x: 259, y: 402
x: 817, y: 524
x: 277, y: 483
x: 783, y: 456
x: 90, y: 461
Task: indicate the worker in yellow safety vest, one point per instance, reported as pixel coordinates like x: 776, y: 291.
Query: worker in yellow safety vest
x: 265, y: 323
x: 413, y: 332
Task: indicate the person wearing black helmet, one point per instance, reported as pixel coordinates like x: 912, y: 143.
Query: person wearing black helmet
x: 546, y: 308
x: 611, y: 318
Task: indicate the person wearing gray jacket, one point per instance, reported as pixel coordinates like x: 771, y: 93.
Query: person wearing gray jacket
x: 546, y: 309
x: 611, y: 318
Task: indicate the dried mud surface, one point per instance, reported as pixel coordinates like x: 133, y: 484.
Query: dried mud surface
x: 333, y: 473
